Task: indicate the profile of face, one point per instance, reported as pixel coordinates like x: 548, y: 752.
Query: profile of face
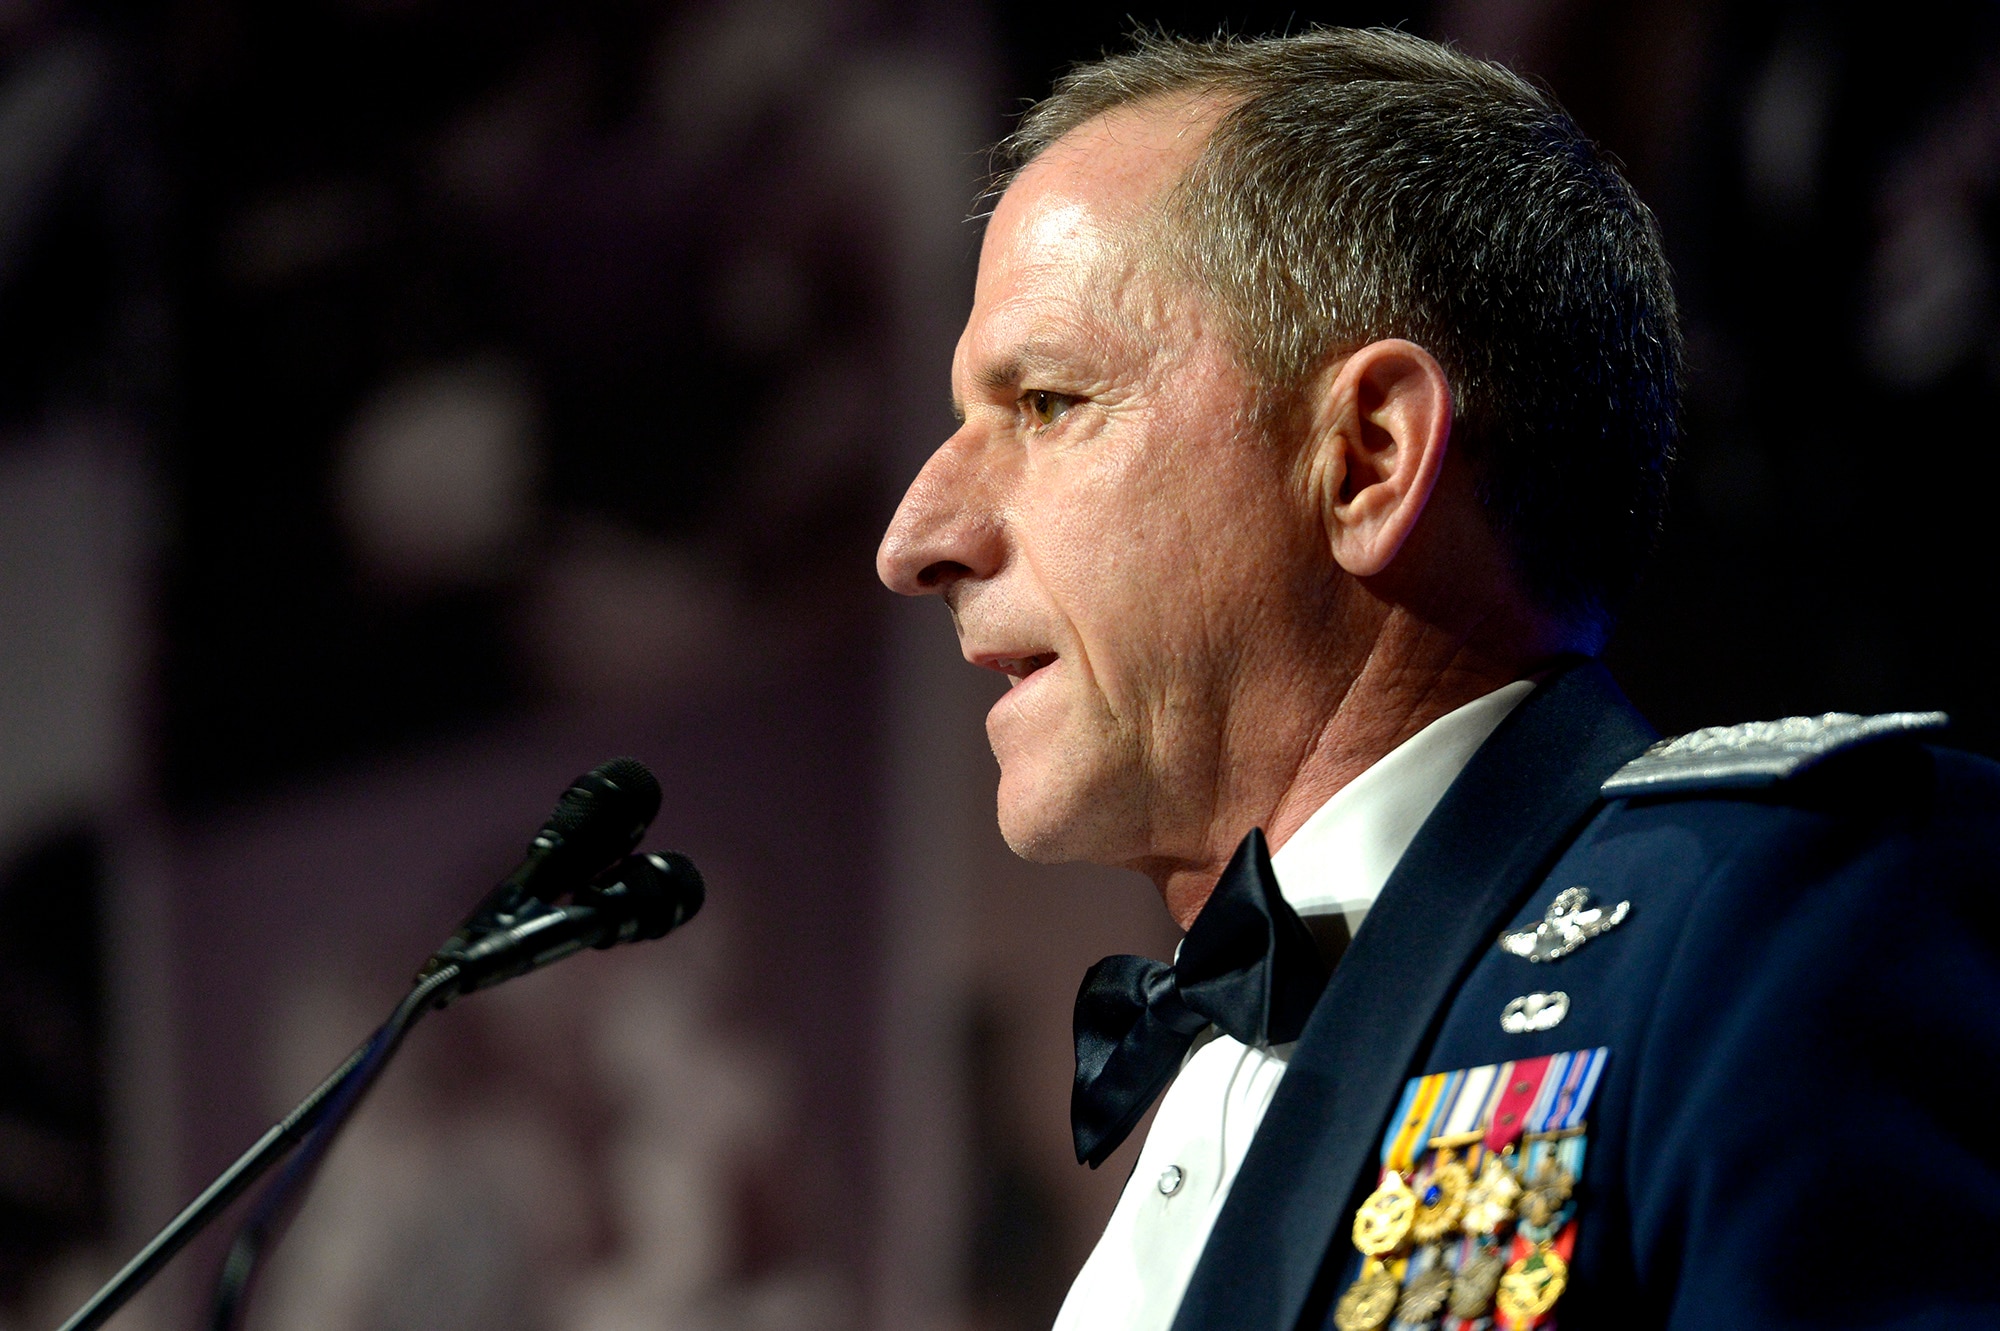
x: 1109, y: 525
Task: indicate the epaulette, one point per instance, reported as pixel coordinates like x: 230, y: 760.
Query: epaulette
x: 1757, y: 753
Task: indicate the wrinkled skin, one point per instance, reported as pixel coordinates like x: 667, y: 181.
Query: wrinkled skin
x: 1207, y: 624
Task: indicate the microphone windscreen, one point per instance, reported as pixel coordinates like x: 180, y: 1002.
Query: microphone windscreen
x: 632, y: 775
x: 595, y: 824
x: 666, y: 891
x: 620, y: 791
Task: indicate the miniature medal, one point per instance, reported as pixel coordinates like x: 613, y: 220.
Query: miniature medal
x: 1489, y: 1202
x: 1524, y: 1122
x: 1424, y: 1298
x: 1531, y: 1286
x: 1473, y: 1287
x: 1441, y: 1205
x: 1384, y: 1220
x: 1369, y: 1301
x: 1547, y: 1194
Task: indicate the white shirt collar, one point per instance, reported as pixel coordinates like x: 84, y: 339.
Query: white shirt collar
x: 1346, y: 851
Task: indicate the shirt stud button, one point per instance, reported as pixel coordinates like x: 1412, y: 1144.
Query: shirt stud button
x: 1171, y: 1179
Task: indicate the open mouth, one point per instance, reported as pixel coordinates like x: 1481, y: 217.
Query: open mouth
x: 1018, y: 668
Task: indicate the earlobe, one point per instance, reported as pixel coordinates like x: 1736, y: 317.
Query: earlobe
x: 1380, y: 427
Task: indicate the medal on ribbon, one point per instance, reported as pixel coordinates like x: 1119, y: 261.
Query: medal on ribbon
x: 1440, y: 1199
x: 1477, y: 1280
x: 1383, y: 1221
x: 1370, y: 1301
x: 1530, y: 1287
x: 1474, y: 1217
x: 1424, y: 1296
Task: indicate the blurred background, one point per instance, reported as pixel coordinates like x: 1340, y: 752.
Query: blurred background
x: 407, y: 404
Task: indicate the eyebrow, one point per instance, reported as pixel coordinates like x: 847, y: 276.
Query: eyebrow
x: 1035, y: 355
x: 993, y: 379
x: 1004, y: 375
x: 1032, y: 356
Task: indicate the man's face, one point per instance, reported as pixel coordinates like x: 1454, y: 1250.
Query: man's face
x: 1108, y: 525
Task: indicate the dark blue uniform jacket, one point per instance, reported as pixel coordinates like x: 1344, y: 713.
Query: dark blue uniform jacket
x: 1798, y: 1124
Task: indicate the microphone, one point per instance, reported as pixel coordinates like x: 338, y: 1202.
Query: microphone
x: 598, y: 821
x: 584, y: 852
x: 641, y: 897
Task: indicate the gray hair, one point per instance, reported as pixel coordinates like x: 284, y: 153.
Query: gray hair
x: 1368, y: 184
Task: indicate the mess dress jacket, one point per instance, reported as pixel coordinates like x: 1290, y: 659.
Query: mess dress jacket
x: 1797, y: 1124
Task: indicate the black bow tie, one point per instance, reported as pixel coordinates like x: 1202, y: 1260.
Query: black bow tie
x: 1248, y: 965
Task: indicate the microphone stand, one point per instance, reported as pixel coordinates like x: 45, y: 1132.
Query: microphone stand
x: 639, y: 897
x: 329, y: 1105
x: 433, y: 990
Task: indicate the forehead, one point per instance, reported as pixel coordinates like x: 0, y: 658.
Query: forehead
x: 1116, y: 164
x: 1067, y: 237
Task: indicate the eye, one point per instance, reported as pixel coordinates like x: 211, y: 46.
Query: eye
x: 1045, y: 408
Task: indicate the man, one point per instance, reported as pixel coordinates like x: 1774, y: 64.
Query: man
x: 1316, y: 402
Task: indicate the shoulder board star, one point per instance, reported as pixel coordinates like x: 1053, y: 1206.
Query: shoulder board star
x: 1757, y: 753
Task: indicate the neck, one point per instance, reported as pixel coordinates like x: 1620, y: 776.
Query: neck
x: 1412, y: 674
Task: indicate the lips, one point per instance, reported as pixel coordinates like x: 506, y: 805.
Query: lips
x: 1019, y: 668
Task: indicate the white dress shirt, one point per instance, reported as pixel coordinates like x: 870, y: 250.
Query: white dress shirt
x: 1338, y: 861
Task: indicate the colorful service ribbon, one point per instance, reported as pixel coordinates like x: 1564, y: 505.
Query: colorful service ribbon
x: 1519, y: 1090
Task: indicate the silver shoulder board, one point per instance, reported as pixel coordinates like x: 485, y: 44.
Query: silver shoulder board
x: 1757, y: 753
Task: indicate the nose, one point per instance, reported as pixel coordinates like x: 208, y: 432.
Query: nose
x: 947, y: 528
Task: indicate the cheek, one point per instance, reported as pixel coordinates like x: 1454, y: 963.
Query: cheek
x: 1130, y: 567
x: 1157, y: 538
x: 1109, y: 540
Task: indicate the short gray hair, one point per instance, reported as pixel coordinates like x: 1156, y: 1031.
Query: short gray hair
x: 1369, y: 184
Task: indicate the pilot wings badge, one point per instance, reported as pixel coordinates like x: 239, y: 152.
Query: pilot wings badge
x: 1571, y: 922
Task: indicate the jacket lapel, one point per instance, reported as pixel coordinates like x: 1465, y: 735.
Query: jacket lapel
x: 1521, y: 799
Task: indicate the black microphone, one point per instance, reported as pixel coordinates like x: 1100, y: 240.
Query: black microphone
x: 643, y: 896
x: 583, y: 852
x: 596, y: 823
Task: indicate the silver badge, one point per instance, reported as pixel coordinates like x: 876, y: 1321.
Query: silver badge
x: 1570, y: 923
x: 1534, y: 1012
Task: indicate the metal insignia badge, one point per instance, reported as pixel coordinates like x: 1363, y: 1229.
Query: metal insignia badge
x: 1571, y: 921
x: 1534, y: 1012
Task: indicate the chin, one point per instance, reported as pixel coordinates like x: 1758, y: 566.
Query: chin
x: 1049, y: 822
x: 1033, y: 840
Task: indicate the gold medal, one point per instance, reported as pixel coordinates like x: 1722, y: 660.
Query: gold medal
x: 1489, y: 1202
x: 1547, y: 1194
x: 1472, y: 1288
x: 1383, y: 1221
x: 1369, y: 1301
x: 1531, y: 1287
x: 1424, y: 1298
x: 1441, y: 1205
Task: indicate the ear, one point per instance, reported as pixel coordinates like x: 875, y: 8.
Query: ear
x: 1380, y: 424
